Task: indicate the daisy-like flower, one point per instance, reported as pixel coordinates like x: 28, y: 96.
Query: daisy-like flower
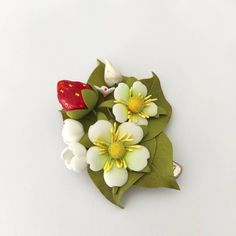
x: 116, y: 150
x: 133, y: 104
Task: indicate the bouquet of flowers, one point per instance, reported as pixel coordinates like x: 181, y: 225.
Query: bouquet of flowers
x: 114, y: 127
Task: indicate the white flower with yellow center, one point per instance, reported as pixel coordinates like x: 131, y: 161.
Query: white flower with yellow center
x: 116, y: 150
x: 133, y: 104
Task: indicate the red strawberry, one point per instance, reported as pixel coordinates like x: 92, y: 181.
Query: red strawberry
x: 69, y: 94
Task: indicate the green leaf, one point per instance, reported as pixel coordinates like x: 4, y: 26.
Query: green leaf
x: 108, y: 113
x: 98, y: 180
x: 157, y: 125
x: 133, y: 177
x: 88, y: 120
x: 97, y: 76
x: 64, y: 115
x: 161, y: 111
x: 86, y: 141
x: 162, y: 166
x: 145, y: 130
x: 147, y: 169
x: 106, y: 104
x: 129, y: 80
x: 90, y: 98
x: 101, y: 116
x: 151, y: 146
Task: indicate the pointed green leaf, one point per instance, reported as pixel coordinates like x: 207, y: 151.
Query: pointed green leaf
x: 129, y: 80
x: 101, y: 116
x: 64, y: 115
x: 90, y: 98
x: 106, y: 104
x: 157, y: 125
x: 98, y: 180
x: 97, y: 76
x: 162, y: 166
x: 86, y: 141
x: 161, y: 111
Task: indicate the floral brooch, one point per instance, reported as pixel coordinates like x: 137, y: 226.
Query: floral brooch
x: 114, y: 127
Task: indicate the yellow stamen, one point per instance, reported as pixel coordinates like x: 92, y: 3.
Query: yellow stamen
x: 136, y: 104
x: 108, y: 165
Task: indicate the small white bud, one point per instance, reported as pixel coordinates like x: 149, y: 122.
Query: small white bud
x: 112, y: 76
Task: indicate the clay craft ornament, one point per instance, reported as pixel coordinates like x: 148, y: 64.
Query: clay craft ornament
x: 114, y: 127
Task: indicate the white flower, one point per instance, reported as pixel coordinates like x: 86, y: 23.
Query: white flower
x: 116, y: 150
x: 72, y: 131
x: 111, y: 75
x: 75, y: 157
x: 75, y: 154
x: 133, y: 104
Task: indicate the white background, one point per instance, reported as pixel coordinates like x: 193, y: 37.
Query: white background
x: 190, y: 44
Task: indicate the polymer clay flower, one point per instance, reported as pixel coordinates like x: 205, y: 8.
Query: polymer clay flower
x: 75, y: 157
x: 72, y: 131
x: 133, y: 104
x: 116, y: 150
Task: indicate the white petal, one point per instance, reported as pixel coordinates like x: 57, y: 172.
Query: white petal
x: 78, y: 163
x: 102, y: 130
x: 95, y: 159
x: 140, y: 120
x: 151, y: 109
x: 78, y: 149
x: 116, y: 177
x: 136, y: 160
x: 139, y: 88
x: 72, y: 131
x: 111, y: 75
x: 133, y: 129
x: 120, y: 111
x: 67, y: 156
x: 122, y: 92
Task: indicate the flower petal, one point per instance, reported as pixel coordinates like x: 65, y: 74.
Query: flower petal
x: 121, y: 112
x: 72, y: 131
x: 122, y: 92
x: 100, y: 130
x: 67, y: 156
x: 78, y: 163
x: 134, y: 130
x: 137, y: 160
x: 116, y: 177
x: 78, y: 149
x: 139, y: 88
x: 138, y: 120
x: 151, y: 109
x: 95, y: 159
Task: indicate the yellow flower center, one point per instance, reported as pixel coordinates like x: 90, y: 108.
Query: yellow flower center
x: 117, y: 150
x: 136, y: 104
